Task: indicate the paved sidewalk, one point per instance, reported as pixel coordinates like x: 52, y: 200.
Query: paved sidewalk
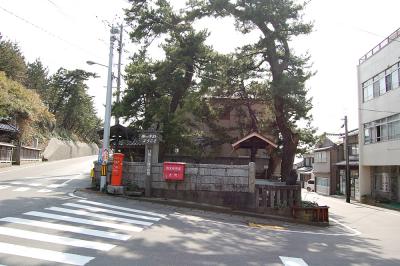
x: 379, y: 227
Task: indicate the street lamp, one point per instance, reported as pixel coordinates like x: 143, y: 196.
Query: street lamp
x: 95, y: 63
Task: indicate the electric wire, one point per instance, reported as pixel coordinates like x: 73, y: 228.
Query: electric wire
x: 45, y: 31
x: 378, y: 111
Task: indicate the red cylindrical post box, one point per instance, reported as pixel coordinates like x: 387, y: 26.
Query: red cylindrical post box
x: 116, y: 177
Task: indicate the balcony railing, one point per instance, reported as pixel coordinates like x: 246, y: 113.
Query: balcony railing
x: 382, y: 44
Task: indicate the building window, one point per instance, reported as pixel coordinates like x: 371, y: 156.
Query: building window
x: 394, y: 130
x: 322, y: 181
x: 388, y: 82
x: 320, y: 157
x: 380, y: 84
x: 353, y: 149
x: 367, y: 135
x: 382, y: 182
x: 225, y: 113
x: 382, y: 129
x: 368, y: 92
x: 395, y: 79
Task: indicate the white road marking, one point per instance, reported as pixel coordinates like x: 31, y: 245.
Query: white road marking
x: 54, y: 239
x: 95, y: 209
x: 32, y: 177
x: 44, y: 190
x: 16, y: 183
x: 61, y: 177
x: 4, y: 187
x: 289, y: 261
x: 355, y: 232
x: 44, y: 254
x: 67, y: 228
x: 85, y: 221
x: 55, y: 185
x: 122, y: 208
x: 34, y: 184
x: 21, y: 189
x: 101, y: 216
x: 72, y: 195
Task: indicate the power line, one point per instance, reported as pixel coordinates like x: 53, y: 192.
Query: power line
x: 378, y: 111
x: 45, y: 31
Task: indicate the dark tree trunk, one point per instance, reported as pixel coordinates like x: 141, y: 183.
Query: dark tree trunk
x: 180, y: 92
x: 290, y: 140
x: 272, y: 163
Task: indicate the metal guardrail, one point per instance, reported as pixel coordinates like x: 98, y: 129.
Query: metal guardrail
x: 378, y: 47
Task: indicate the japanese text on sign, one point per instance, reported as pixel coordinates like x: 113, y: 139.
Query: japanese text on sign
x: 150, y: 138
x: 174, y: 171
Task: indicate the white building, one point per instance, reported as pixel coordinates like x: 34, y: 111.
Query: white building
x: 379, y: 120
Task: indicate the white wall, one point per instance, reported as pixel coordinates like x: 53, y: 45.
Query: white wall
x: 364, y: 181
x: 385, y: 152
x: 60, y: 150
x: 323, y: 167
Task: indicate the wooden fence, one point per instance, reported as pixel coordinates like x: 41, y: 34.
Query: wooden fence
x: 30, y: 154
x: 6, y: 151
x: 277, y: 196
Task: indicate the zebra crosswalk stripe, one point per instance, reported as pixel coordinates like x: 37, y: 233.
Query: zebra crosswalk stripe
x: 67, y: 228
x: 122, y: 208
x: 55, y: 185
x: 289, y: 261
x: 44, y: 190
x: 22, y: 189
x: 101, y: 216
x: 85, y: 221
x: 7, y: 231
x: 95, y: 209
x: 4, y: 186
x: 44, y: 254
x: 35, y: 184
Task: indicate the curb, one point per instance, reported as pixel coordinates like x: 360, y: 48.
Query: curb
x: 205, y: 207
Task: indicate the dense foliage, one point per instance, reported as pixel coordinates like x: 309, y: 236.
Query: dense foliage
x: 26, y: 107
x: 267, y: 70
x: 43, y: 105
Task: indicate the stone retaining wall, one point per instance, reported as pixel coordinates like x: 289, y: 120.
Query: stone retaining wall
x: 225, y: 185
x: 61, y: 150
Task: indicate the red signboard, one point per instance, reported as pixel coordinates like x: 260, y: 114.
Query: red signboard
x: 116, y: 178
x: 174, y: 171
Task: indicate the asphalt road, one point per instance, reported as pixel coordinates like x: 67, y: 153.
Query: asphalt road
x: 43, y: 223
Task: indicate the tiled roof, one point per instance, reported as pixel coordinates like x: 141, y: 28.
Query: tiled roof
x: 8, y: 128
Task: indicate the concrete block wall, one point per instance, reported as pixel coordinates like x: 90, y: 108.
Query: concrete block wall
x: 61, y: 150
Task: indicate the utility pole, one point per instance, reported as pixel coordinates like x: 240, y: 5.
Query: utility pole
x: 119, y: 69
x: 107, y: 116
x: 346, y: 150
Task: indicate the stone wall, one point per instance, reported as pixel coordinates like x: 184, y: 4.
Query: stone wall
x: 224, y: 185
